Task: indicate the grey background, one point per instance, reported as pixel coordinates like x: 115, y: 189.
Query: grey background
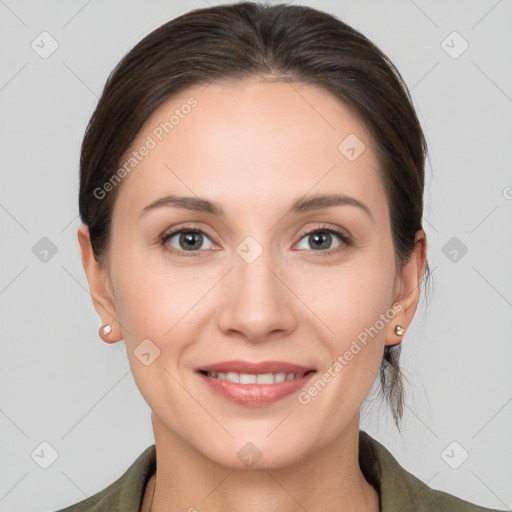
x: 61, y: 384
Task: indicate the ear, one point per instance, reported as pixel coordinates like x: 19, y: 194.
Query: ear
x: 99, y: 282
x: 407, y: 289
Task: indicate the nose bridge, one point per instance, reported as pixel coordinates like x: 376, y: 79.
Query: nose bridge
x: 252, y: 271
x: 257, y: 305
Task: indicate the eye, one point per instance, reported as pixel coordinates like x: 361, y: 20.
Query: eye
x: 320, y: 240
x: 186, y: 240
x: 190, y: 241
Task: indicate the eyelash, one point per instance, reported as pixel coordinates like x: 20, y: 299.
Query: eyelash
x: 346, y: 240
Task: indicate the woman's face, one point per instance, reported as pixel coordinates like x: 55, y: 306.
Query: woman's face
x: 265, y: 279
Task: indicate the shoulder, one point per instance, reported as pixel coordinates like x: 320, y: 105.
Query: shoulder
x: 401, y: 490
x: 126, y: 493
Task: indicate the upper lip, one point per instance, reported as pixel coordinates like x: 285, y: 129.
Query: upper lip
x: 240, y: 366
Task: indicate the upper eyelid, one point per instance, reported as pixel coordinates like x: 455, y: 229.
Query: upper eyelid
x: 337, y: 230
x: 173, y: 232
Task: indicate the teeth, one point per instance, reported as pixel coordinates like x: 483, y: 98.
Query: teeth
x: 251, y: 378
x: 232, y: 377
x: 267, y: 378
x: 247, y: 378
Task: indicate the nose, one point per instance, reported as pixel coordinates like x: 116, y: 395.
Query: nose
x: 257, y: 302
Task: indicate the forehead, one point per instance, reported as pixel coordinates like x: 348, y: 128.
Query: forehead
x: 245, y: 142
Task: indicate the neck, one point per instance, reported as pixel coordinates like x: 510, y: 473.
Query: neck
x: 328, y: 479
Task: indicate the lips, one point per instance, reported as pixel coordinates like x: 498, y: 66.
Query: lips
x: 255, y: 384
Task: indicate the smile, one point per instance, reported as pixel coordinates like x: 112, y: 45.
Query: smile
x: 254, y: 384
x: 250, y: 378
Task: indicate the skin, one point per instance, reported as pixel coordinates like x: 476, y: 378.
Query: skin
x: 254, y: 147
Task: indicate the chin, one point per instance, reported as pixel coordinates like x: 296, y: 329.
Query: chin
x: 254, y: 453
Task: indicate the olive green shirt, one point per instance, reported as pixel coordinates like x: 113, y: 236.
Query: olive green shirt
x: 399, y: 490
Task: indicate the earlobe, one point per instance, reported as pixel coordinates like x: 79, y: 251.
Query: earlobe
x: 105, y: 332
x: 409, y: 283
x: 399, y: 330
x: 395, y: 330
x: 97, y: 277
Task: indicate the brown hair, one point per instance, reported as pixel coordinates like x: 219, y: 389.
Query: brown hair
x: 248, y: 39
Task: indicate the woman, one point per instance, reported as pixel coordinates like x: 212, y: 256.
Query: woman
x: 251, y: 202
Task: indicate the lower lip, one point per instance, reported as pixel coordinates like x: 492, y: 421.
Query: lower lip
x: 255, y: 395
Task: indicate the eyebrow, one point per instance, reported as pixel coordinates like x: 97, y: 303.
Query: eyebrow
x: 301, y: 205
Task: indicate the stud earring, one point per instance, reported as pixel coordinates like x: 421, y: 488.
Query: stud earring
x: 107, y: 329
x: 399, y: 330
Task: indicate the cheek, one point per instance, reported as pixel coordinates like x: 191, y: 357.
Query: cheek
x: 350, y: 297
x: 355, y: 305
x: 163, y: 304
x: 152, y: 311
x: 151, y: 296
x: 362, y: 299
